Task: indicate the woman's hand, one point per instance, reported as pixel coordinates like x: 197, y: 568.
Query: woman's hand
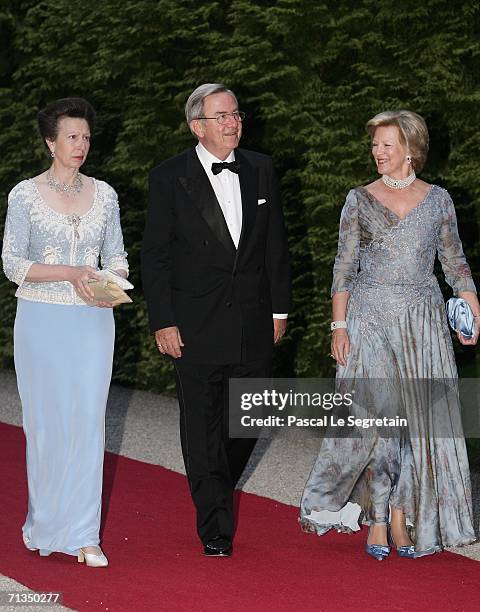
x: 472, y: 300
x: 472, y: 341
x: 104, y: 305
x: 79, y: 277
x: 340, y: 346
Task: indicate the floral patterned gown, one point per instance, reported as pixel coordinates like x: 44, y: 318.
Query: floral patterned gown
x: 398, y: 330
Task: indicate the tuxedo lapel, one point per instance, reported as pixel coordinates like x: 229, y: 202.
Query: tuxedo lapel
x: 201, y: 192
x: 248, y: 176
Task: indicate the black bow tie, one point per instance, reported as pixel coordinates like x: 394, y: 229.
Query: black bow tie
x: 233, y: 166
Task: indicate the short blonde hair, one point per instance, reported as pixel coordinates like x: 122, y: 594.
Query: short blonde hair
x: 413, y: 133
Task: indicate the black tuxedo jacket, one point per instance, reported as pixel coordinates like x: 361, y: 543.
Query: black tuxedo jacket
x: 221, y: 298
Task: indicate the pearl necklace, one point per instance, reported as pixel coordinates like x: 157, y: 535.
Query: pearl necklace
x: 398, y: 183
x: 65, y: 188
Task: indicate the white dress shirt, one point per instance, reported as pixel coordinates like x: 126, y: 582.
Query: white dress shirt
x: 226, y: 186
x: 227, y: 189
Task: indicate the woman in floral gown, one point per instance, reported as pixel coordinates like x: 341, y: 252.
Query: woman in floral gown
x: 389, y: 324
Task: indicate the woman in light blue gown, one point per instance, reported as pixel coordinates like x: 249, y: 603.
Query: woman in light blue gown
x: 389, y: 324
x: 60, y: 226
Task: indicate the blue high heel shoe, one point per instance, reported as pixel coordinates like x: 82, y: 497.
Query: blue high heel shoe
x: 407, y: 552
x: 377, y: 551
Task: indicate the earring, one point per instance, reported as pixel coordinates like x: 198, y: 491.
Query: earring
x: 52, y: 153
x: 409, y: 159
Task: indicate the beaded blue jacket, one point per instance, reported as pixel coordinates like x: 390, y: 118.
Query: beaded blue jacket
x: 36, y: 233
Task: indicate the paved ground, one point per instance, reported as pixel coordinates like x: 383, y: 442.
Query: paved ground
x: 144, y: 426
x: 11, y: 586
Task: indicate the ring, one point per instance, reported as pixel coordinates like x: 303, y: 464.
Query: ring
x: 332, y: 356
x: 159, y: 346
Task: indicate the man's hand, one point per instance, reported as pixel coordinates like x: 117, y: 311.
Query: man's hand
x: 279, y: 327
x: 169, y: 341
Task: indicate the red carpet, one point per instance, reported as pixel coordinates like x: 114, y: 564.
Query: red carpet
x: 155, y: 560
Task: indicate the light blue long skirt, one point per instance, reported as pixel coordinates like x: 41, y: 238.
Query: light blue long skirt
x: 63, y: 359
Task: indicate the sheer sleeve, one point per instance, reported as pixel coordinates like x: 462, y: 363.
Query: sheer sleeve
x: 346, y: 264
x: 113, y: 255
x: 450, y: 253
x: 16, y: 237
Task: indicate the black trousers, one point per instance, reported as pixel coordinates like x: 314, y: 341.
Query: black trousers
x: 214, y: 462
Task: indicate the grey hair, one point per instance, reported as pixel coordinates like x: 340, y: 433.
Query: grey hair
x: 194, y: 105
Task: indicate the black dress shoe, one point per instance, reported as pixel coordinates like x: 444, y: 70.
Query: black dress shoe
x: 218, y: 547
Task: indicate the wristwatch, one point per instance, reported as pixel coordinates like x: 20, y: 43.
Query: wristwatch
x: 338, y: 325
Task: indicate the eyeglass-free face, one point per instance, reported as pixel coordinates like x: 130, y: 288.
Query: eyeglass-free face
x: 389, y: 153
x: 219, y: 137
x: 72, y: 143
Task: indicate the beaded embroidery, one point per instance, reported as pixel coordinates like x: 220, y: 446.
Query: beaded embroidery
x: 34, y: 232
x: 396, y: 256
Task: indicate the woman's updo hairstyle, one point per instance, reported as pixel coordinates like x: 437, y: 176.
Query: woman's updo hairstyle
x: 49, y: 116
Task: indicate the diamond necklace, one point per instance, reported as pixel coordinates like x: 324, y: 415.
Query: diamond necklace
x: 65, y: 188
x: 398, y: 183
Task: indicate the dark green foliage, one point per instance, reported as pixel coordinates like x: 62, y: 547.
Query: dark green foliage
x: 308, y: 74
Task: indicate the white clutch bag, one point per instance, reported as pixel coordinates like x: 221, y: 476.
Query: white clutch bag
x: 110, y: 288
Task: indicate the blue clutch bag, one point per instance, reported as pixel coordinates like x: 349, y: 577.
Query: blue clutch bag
x: 460, y: 317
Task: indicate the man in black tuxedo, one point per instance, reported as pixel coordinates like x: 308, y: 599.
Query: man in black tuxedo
x: 217, y: 283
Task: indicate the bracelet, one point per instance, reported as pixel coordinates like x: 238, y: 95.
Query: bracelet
x: 338, y: 325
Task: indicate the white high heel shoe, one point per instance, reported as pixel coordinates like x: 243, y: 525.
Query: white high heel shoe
x: 92, y: 560
x: 28, y: 546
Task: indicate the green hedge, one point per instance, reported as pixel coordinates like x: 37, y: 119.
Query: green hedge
x: 308, y: 74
